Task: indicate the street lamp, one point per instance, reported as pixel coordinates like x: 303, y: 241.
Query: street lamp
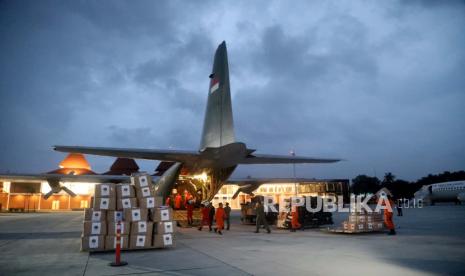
x: 293, y: 169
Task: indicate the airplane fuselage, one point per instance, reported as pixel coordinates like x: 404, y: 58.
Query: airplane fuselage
x: 453, y: 191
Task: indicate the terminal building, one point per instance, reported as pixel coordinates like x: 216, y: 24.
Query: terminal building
x: 27, y: 195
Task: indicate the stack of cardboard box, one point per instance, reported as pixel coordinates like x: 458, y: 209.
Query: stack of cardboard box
x: 145, y: 223
x: 362, y: 221
x: 95, y: 219
x: 164, y: 226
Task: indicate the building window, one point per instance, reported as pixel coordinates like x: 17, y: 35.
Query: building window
x: 55, y: 205
x: 84, y: 203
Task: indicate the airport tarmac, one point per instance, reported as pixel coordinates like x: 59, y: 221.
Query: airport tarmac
x: 429, y: 241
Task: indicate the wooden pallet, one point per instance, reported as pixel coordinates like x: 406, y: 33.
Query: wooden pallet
x: 127, y: 249
x: 343, y: 231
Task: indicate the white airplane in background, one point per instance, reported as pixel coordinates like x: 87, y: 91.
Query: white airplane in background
x: 452, y: 191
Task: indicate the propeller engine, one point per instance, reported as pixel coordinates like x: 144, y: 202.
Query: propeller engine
x: 56, y: 188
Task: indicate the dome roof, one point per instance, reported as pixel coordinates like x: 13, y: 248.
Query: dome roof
x: 74, y: 163
x: 123, y: 166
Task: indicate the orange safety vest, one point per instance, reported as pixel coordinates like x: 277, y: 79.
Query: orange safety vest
x: 295, y: 220
x: 219, y: 216
x: 388, y: 215
x: 177, y: 201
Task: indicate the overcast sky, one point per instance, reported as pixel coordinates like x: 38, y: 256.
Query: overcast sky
x: 378, y: 83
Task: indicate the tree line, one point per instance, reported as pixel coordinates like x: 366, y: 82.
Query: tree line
x: 363, y: 184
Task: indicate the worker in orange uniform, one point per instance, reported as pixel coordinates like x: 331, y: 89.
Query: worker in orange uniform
x: 389, y: 203
x: 220, y: 215
x: 177, y: 201
x: 190, y: 212
x: 205, y: 215
x: 187, y: 197
x: 295, y: 219
x: 168, y: 201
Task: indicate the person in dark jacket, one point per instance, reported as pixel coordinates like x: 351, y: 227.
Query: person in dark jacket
x: 261, y: 218
x: 190, y: 212
x: 227, y: 211
x: 399, y: 203
x: 211, y: 217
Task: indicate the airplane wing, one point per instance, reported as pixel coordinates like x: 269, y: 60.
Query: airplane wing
x: 150, y: 154
x: 284, y: 159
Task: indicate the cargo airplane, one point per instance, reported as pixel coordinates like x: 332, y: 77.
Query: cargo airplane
x: 218, y: 155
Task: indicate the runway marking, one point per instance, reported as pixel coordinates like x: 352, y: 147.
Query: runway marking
x: 87, y: 262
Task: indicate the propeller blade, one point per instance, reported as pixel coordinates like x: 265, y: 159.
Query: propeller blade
x: 71, y: 193
x: 47, y: 195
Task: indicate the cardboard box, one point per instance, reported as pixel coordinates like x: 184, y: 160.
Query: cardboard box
x: 353, y: 227
x: 91, y: 215
x: 369, y: 226
x: 349, y: 226
x: 377, y: 226
x: 140, y: 241
x: 93, y: 243
x: 345, y: 225
x: 110, y: 242
x: 250, y: 212
x: 162, y: 241
x: 125, y: 191
x: 104, y: 203
x: 135, y: 214
x: 161, y: 214
x: 151, y: 202
x: 360, y: 218
x: 144, y: 192
x: 360, y: 227
x: 114, y: 216
x: 355, y: 209
x: 141, y: 228
x: 167, y: 227
x: 126, y: 203
x: 378, y: 217
x: 141, y: 180
x: 104, y: 190
x: 94, y: 228
x: 125, y: 228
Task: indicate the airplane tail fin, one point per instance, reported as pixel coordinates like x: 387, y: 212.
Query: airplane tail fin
x: 218, y: 127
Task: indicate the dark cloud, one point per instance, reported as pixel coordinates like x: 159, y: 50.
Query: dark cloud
x: 379, y: 84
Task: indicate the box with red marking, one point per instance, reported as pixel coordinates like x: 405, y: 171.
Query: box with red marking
x: 110, y: 242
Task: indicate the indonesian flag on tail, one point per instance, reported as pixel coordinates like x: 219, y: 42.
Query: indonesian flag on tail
x: 214, y: 84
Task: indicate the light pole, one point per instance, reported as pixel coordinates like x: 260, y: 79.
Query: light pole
x: 293, y: 169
